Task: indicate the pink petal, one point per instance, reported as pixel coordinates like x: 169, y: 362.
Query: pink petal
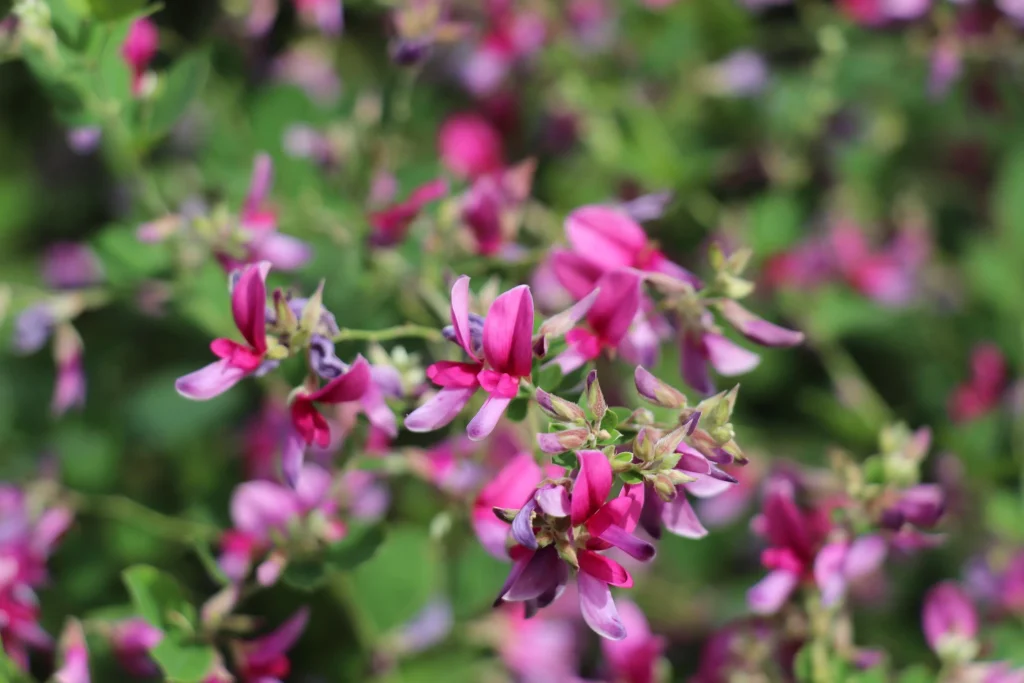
x: 771, y: 592
x: 592, y: 486
x: 948, y: 612
x: 828, y: 572
x: 210, y: 381
x: 491, y: 532
x: 606, y: 237
x: 293, y: 453
x: 378, y: 412
x: 679, y: 518
x: 460, y: 315
x: 470, y: 146
x: 513, y: 484
x: 604, y: 569
x: 569, y: 360
x: 264, y: 650
x: 257, y: 507
x: 554, y: 501
x: 447, y: 373
x: 576, y: 274
x: 706, y: 486
x: 347, y: 387
x: 628, y: 543
x: 537, y: 576
x: 426, y: 193
x: 727, y: 358
x: 694, y: 364
x: 508, y: 332
x: 616, y: 306
x: 756, y: 329
x: 260, y: 182
x: 283, y: 252
x: 249, y: 305
x: 313, y: 487
x: 598, y: 609
x: 439, y: 410
x: 865, y: 556
x: 634, y: 658
x: 486, y: 419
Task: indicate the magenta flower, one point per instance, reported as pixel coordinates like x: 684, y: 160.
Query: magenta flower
x: 606, y: 239
x: 347, y: 387
x: 491, y: 204
x: 138, y: 50
x: 470, y: 146
x: 539, y: 573
x: 237, y: 361
x: 325, y: 15
x: 888, y: 276
x: 538, y: 649
x: 949, y: 619
x: 262, y: 512
x: 795, y: 536
x: 501, y: 353
x: 390, y: 225
x: 510, y: 489
x: 677, y: 516
x: 983, y: 390
x: 840, y: 562
x: 608, y: 320
x: 634, y: 658
x: 265, y: 659
x: 131, y: 640
x: 920, y: 506
x: 75, y: 657
x: 69, y: 388
x: 258, y: 224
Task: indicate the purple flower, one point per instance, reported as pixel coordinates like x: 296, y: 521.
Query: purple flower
x: 74, y: 655
x: 950, y: 620
x: 84, y: 139
x: 69, y: 388
x: 132, y: 639
x: 633, y: 659
x: 67, y: 265
x: 33, y: 328
x: 743, y: 73
x: 677, y: 515
x: 841, y: 562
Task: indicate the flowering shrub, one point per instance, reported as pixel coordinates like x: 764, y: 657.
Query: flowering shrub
x: 404, y: 340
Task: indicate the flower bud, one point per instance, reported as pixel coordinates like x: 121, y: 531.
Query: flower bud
x: 643, y: 445
x: 219, y: 606
x: 665, y: 487
x: 666, y: 446
x: 559, y: 442
x: 657, y: 392
x: 595, y: 397
x: 622, y: 462
x: 559, y: 408
x: 679, y: 477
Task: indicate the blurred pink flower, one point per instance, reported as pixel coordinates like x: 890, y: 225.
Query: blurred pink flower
x: 983, y: 390
x: 139, y: 48
x: 470, y: 146
x: 390, y: 225
x: 633, y: 659
x: 67, y: 265
x: 949, y: 619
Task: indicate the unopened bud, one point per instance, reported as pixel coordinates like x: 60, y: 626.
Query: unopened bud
x: 559, y: 442
x: 643, y: 445
x: 717, y: 410
x: 678, y: 477
x: 668, y: 444
x: 286, y: 321
x: 505, y: 514
x: 219, y: 606
x: 722, y: 434
x: 595, y: 397
x: 621, y: 462
x: 665, y: 487
x: 559, y: 408
x: 657, y: 392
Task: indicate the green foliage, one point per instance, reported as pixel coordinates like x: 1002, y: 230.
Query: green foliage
x: 358, y: 546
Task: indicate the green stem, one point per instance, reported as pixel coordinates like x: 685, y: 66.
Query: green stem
x: 407, y: 330
x: 127, y: 511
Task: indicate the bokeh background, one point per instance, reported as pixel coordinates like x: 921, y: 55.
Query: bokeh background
x: 868, y: 152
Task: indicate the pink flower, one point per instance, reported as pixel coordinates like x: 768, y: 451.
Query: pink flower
x: 539, y: 573
x: 326, y: 15
x: 840, y: 562
x: 262, y: 512
x: 510, y: 489
x: 634, y: 658
x: 67, y: 265
x: 608, y: 320
x: 794, y: 535
x: 237, y: 361
x: 132, y: 639
x: 538, y: 649
x: 265, y: 659
x: 981, y: 393
x: 949, y: 618
x: 69, y: 389
x: 139, y: 48
x: 350, y: 386
x: 258, y: 224
x: 888, y: 276
x: 75, y: 665
x: 470, y: 146
x: 490, y: 206
x: 390, y: 225
x: 507, y: 357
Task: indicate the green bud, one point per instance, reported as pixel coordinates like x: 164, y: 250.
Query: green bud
x: 287, y: 323
x: 679, y: 477
x: 667, y: 445
x: 311, y: 314
x: 595, y: 397
x: 722, y: 434
x: 664, y: 486
x: 643, y: 445
x: 622, y: 462
x: 559, y: 408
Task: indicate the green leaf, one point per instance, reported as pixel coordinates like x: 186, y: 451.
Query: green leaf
x: 1008, y: 200
x: 631, y: 477
x: 566, y: 460
x: 125, y: 259
x: 358, y: 546
x: 919, y: 673
x: 109, y: 10
x: 183, y: 662
x: 549, y: 377
x: 180, y: 85
x: 610, y: 421
x: 614, y: 436
x: 154, y: 594
x: 517, y: 409
x: 400, y: 579
x: 475, y: 576
x: 774, y: 223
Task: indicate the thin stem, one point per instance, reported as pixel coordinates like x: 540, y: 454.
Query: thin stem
x: 126, y: 510
x: 407, y: 330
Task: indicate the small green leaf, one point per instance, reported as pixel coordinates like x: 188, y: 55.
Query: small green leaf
x: 154, y: 594
x: 183, y: 662
x: 181, y: 84
x: 126, y: 260
x: 631, y: 477
x: 359, y: 545
x: 566, y: 460
x: 550, y: 377
x: 919, y: 673
x: 610, y: 421
x: 517, y: 410
x: 614, y: 436
x: 109, y: 10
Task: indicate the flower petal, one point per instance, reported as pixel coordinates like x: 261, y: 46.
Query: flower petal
x: 210, y: 381
x: 262, y: 651
x: 249, y: 305
x: 486, y: 419
x: 694, y: 364
x: 592, y: 486
x: 460, y: 315
x: 258, y: 507
x: 577, y: 275
x: 347, y: 387
x: 771, y: 592
x: 605, y: 236
x: 451, y: 374
x: 284, y: 252
x: 598, y: 608
x: 554, y: 501
x: 539, y: 576
x: 522, y: 526
x: 679, y: 518
x: 866, y: 555
x: 292, y: 456
x: 728, y: 358
x: 508, y: 332
x: 628, y: 543
x: 828, y: 572
x: 706, y: 486
x: 756, y: 329
x: 439, y: 410
x: 616, y: 305
x: 603, y: 568
x: 948, y: 611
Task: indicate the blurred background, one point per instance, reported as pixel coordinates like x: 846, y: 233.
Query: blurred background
x: 868, y: 152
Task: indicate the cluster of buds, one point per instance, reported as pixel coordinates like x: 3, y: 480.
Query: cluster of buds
x: 573, y: 429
